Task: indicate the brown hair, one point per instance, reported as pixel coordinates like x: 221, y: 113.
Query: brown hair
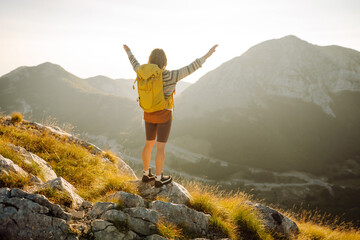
x: 158, y: 57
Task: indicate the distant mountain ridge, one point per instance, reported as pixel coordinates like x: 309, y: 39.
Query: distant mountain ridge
x: 283, y: 103
x: 288, y: 67
x: 48, y: 89
x: 123, y: 87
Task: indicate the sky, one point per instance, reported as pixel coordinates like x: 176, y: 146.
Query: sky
x: 86, y: 37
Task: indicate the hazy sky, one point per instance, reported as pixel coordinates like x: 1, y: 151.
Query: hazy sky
x: 86, y: 36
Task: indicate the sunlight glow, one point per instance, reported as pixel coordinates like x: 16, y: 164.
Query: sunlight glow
x: 86, y: 37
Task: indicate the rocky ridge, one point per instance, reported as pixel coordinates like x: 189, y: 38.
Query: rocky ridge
x: 27, y: 215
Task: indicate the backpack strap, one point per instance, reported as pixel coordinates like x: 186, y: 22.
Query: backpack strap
x: 134, y: 83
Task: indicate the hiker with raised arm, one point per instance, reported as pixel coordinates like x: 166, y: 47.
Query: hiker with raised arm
x: 156, y: 86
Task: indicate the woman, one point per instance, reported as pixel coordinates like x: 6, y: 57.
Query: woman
x: 158, y: 124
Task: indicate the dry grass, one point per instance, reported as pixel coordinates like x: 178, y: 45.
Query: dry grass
x: 312, y: 231
x: 10, y: 153
x: 111, y: 156
x: 230, y: 216
x: 13, y: 180
x: 16, y: 117
x: 56, y: 196
x: 314, y: 225
x: 93, y: 177
x: 169, y: 230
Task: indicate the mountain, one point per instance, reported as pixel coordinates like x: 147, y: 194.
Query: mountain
x: 286, y: 67
x: 49, y: 90
x: 284, y: 104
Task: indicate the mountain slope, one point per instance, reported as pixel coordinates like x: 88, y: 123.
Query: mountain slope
x: 284, y: 104
x: 288, y: 67
x: 47, y: 89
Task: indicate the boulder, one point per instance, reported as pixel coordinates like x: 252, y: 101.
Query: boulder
x: 63, y: 185
x: 7, y: 166
x: 279, y: 225
x: 125, y: 168
x: 127, y: 200
x: 172, y: 192
x: 31, y: 216
x: 142, y: 220
x: 99, y: 208
x: 114, y: 215
x: 180, y: 214
x: 155, y: 237
x: 104, y: 230
x: 46, y: 169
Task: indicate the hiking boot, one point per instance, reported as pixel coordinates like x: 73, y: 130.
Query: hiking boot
x: 164, y: 180
x: 148, y: 178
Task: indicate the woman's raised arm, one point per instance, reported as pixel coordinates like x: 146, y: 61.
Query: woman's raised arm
x: 135, y: 64
x: 181, y: 73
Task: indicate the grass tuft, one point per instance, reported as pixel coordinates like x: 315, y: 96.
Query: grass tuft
x: 56, y: 196
x: 169, y: 230
x: 111, y: 156
x: 16, y: 117
x: 111, y: 185
x: 223, y: 227
x: 13, y: 180
x: 248, y: 222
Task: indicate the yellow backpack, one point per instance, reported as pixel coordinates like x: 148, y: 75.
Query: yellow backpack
x: 150, y: 88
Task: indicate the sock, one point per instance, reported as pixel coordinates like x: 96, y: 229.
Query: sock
x: 158, y: 177
x: 146, y: 172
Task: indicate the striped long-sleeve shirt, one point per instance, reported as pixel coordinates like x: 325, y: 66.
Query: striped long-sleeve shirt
x: 171, y: 77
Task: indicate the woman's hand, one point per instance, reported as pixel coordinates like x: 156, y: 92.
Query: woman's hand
x: 127, y: 49
x: 211, y: 51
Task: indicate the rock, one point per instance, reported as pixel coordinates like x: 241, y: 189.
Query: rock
x: 99, y: 208
x: 142, y: 220
x: 125, y: 168
x: 86, y: 205
x: 104, y: 230
x: 130, y: 235
x: 81, y: 228
x: 172, y: 192
x: 155, y: 237
x: 180, y: 214
x: 46, y: 169
x: 98, y: 225
x: 114, y: 215
x: 7, y: 166
x: 128, y: 200
x: 76, y: 214
x: 279, y: 225
x: 55, y: 209
x: 26, y: 216
x: 63, y: 185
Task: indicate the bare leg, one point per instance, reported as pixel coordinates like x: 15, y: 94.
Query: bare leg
x: 160, y: 157
x: 146, y: 155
